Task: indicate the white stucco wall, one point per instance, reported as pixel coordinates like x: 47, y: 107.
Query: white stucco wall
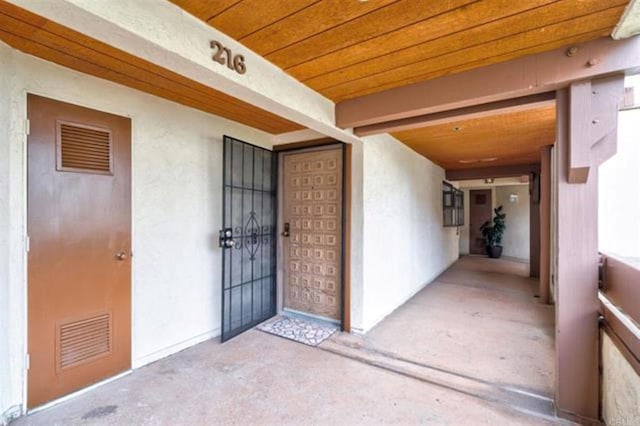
x: 177, y: 183
x: 9, y: 394
x: 516, y: 237
x: 405, y: 244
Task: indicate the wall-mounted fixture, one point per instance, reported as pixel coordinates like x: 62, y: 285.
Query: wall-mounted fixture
x: 488, y: 180
x: 513, y: 198
x: 452, y: 205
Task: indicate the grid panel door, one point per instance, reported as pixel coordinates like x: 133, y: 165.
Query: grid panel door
x: 249, y: 216
x: 313, y: 252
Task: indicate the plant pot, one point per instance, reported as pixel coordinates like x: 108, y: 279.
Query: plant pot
x: 494, y: 252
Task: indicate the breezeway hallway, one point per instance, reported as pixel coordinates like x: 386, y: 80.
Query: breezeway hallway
x: 472, y: 347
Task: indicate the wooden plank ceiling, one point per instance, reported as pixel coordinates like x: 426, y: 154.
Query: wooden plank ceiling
x: 349, y: 48
x: 40, y: 37
x: 497, y: 140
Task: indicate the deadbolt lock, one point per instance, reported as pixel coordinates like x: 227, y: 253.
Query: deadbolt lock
x: 226, y: 238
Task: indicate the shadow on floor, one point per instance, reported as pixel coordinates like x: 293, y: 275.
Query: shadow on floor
x: 482, y: 328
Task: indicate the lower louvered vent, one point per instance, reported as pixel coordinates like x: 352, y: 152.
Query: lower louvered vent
x: 83, y: 341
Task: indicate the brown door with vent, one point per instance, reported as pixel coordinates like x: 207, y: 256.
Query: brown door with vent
x: 480, y: 211
x: 79, y: 226
x: 312, y: 211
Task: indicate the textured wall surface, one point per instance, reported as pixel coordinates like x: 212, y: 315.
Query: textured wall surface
x: 516, y: 236
x: 405, y: 244
x: 620, y: 387
x: 177, y: 183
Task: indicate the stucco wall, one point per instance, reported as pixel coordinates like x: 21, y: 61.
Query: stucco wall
x: 176, y: 211
x: 516, y: 236
x: 620, y: 387
x: 6, y: 384
x: 405, y: 244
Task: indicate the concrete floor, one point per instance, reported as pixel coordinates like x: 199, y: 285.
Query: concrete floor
x: 433, y: 361
x: 480, y: 318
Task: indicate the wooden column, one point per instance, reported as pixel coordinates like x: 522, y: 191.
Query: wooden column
x: 577, y: 283
x: 545, y: 224
x: 587, y: 114
x: 534, y: 225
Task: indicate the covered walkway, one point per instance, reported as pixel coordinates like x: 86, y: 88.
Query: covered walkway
x: 474, y: 347
x: 480, y: 318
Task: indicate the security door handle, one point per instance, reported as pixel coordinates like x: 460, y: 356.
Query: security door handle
x: 286, y: 233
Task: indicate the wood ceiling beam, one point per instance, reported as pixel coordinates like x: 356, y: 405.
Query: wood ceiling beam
x: 476, y: 111
x: 492, y: 172
x: 516, y: 78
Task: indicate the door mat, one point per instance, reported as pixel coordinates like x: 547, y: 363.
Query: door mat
x: 308, y: 332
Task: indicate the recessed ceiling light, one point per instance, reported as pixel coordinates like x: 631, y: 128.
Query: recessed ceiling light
x: 487, y: 160
x: 457, y: 129
x: 468, y: 161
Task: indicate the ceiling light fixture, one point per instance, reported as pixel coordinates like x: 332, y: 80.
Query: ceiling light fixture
x: 487, y: 160
x: 488, y: 180
x: 457, y: 129
x: 468, y: 161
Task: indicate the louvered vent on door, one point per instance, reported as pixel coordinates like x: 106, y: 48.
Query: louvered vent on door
x: 84, y: 148
x: 83, y: 341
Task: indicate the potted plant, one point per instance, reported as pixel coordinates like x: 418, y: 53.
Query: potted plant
x: 493, y: 233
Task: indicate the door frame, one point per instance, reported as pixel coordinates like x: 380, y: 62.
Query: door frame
x: 314, y: 146
x: 491, y: 201
x: 25, y: 255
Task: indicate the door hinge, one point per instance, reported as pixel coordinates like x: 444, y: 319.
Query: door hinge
x: 27, y: 243
x: 27, y: 127
x: 27, y: 361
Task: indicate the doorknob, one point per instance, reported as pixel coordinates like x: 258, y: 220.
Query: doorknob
x: 121, y: 256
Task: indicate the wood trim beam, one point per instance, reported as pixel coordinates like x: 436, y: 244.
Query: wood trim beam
x: 305, y: 144
x: 524, y: 76
x: 622, y: 285
x: 624, y: 338
x: 593, y: 124
x: 492, y: 172
x: 477, y: 111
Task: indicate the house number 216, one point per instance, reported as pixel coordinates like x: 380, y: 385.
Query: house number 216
x: 223, y: 56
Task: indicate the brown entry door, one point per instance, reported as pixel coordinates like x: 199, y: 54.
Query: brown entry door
x: 312, y: 212
x: 479, y: 212
x: 79, y: 226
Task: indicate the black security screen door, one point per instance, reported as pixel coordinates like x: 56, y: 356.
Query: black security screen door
x: 248, y: 239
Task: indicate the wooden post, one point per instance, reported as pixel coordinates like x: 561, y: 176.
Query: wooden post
x: 545, y: 223
x: 534, y: 225
x: 577, y: 283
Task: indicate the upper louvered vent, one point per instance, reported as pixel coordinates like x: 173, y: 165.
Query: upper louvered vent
x: 84, y: 149
x: 84, y: 340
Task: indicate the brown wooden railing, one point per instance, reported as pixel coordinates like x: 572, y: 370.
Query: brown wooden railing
x: 620, y: 306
